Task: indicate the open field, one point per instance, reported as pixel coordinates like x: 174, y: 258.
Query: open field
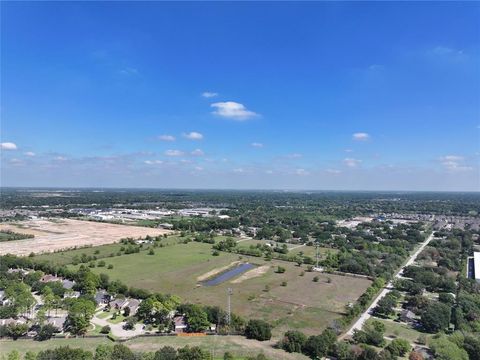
x: 395, y: 329
x: 302, y: 304
x: 101, y: 252
x: 294, y: 249
x: 237, y: 345
x: 51, y: 235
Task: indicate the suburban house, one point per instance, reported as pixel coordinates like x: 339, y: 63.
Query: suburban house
x: 118, y: 304
x: 180, y: 323
x: 71, y: 294
x: 407, y: 316
x: 49, y: 278
x: 102, y: 297
x: 57, y: 321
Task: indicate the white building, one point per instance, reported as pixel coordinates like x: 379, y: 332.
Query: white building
x: 476, y: 266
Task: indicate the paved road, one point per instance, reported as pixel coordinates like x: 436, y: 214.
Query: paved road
x: 389, y: 287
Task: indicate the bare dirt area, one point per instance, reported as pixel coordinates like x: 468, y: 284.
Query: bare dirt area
x: 251, y: 274
x: 58, y: 234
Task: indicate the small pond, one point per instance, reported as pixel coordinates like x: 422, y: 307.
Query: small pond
x: 227, y: 275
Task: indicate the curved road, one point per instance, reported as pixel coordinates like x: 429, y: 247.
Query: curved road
x: 389, y: 287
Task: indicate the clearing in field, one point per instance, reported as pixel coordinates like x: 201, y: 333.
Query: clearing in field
x: 290, y: 300
x: 52, y: 235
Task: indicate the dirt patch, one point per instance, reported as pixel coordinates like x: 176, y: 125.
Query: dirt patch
x: 67, y: 233
x: 217, y: 271
x: 259, y: 271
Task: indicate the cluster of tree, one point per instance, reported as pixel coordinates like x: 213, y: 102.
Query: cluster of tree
x: 123, y: 352
x: 386, y: 305
x: 8, y: 235
x: 315, y: 346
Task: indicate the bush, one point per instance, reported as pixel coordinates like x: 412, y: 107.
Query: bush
x: 105, y: 330
x: 280, y: 270
x: 293, y: 341
x: 316, y: 278
x: 258, y: 330
x: 110, y: 266
x: 398, y: 347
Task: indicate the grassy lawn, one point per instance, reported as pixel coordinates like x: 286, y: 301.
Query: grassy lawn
x: 218, y: 345
x: 302, y: 304
x: 400, y: 330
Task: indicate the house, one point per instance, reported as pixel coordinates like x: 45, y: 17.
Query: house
x: 57, y: 321
x: 133, y: 304
x: 407, y: 316
x: 71, y: 295
x: 180, y: 323
x: 102, y: 297
x: 4, y: 301
x: 118, y: 304
x: 68, y: 284
x: 9, y: 321
x: 49, y: 278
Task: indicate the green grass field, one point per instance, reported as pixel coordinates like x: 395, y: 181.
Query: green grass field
x: 101, y: 252
x: 218, y: 345
x: 303, y: 304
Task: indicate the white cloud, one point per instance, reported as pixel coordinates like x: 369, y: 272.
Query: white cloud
x: 294, y: 156
x: 193, y: 135
x: 30, y: 153
x: 8, y: 146
x: 238, y: 170
x: 197, y: 152
x: 129, y: 71
x: 60, y: 158
x: 209, y: 94
x: 302, y: 172
x: 174, y: 153
x: 233, y: 110
x: 257, y: 145
x: 153, y: 162
x: 348, y: 150
x: 350, y: 162
x: 333, y: 171
x: 166, y: 138
x: 198, y: 168
x: 361, y: 136
x: 454, y: 163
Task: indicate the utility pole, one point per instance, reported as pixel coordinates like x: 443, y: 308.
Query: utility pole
x: 229, y: 307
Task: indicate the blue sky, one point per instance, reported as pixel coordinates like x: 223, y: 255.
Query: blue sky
x: 341, y: 96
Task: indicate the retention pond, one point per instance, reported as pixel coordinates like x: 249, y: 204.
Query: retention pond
x: 227, y: 275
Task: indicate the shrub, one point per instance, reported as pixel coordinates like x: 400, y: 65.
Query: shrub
x: 258, y: 330
x: 105, y: 330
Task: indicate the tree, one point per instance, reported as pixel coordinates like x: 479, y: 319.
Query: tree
x: 435, y: 317
x: 443, y: 349
x: 166, y: 353
x: 46, y: 332
x: 79, y: 315
x: 17, y: 330
x: 197, y: 318
x: 228, y: 356
x: 399, y: 347
x: 63, y: 353
x: 193, y: 353
x: 13, y: 355
x: 21, y: 296
x: 105, y: 329
x: 258, y: 330
x: 343, y: 351
x: 29, y: 355
x: 103, y: 352
x: 293, y: 341
x: 122, y: 352
x: 320, y: 345
x: 415, y: 355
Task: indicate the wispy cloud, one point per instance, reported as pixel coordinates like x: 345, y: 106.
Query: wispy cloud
x: 60, y: 158
x: 166, y: 138
x: 233, y: 110
x: 361, y: 136
x: 302, y: 172
x: 129, y: 71
x: 8, y: 146
x: 193, y: 135
x: 197, y: 152
x: 257, y: 145
x: 454, y: 163
x: 174, y: 153
x: 153, y: 162
x: 333, y: 171
x: 30, y: 153
x: 351, y: 162
x: 294, y: 156
x: 209, y: 94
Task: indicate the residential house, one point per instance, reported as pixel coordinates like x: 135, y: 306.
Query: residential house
x: 180, y: 323
x: 102, y: 297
